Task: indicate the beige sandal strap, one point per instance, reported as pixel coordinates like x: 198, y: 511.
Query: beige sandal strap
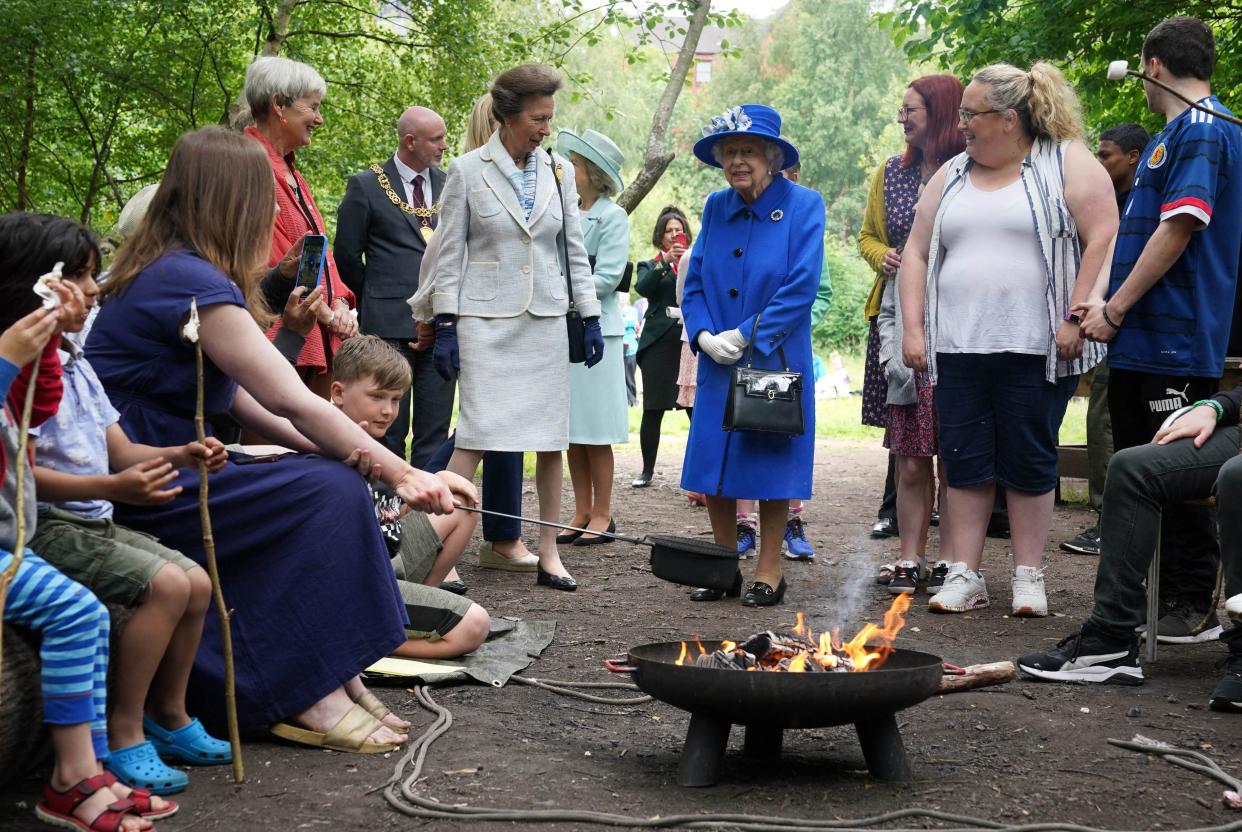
x: 373, y: 705
x: 353, y: 731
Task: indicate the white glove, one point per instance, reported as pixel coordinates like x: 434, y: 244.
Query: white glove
x: 719, y: 348
x: 735, y: 338
x: 673, y: 312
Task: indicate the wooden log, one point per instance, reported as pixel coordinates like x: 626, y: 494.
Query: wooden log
x: 979, y: 676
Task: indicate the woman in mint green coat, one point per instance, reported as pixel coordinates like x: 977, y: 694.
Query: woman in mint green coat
x: 598, y: 410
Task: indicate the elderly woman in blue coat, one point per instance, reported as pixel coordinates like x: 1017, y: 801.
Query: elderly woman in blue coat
x: 753, y: 276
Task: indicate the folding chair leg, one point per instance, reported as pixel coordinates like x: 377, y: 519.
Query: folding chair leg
x: 1153, y: 597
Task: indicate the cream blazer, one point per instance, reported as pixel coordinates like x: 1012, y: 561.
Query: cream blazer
x: 493, y: 263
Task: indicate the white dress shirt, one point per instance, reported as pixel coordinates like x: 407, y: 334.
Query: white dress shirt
x: 407, y: 175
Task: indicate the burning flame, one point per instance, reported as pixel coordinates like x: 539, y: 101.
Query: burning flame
x: 867, y: 650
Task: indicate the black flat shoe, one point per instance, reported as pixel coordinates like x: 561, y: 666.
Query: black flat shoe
x: 760, y: 594
x: 455, y: 587
x: 568, y: 537
x: 561, y: 582
x: 705, y: 594
x: 884, y: 527
x: 642, y: 480
x: 935, y: 519
x: 596, y: 540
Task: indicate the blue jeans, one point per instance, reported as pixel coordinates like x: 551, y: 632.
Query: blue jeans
x: 502, y: 488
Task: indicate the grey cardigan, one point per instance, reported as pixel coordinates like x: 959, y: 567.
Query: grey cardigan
x: 494, y: 263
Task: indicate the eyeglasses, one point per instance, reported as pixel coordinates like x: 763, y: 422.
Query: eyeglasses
x: 967, y: 115
x: 903, y: 113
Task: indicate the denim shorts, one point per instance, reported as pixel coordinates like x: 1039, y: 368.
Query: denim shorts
x: 999, y: 420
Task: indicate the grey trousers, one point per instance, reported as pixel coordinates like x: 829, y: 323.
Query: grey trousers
x: 1142, y: 481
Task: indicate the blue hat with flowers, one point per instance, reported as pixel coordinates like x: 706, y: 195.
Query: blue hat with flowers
x: 755, y: 120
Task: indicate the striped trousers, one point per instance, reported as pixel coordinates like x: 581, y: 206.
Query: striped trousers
x: 74, y: 627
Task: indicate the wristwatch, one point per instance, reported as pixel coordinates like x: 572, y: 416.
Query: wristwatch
x: 1072, y: 318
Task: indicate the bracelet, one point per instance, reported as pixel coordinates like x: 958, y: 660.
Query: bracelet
x: 1215, y: 405
x: 1108, y: 320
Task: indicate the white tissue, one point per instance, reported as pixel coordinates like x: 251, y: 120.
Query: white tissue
x: 43, y: 287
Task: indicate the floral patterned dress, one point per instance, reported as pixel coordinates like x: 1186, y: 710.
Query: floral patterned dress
x: 901, y: 194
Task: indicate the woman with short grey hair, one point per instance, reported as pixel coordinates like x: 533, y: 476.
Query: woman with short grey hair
x: 284, y: 98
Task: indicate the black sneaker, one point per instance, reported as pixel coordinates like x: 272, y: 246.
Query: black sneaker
x: 935, y: 578
x: 1183, y: 622
x: 905, y: 578
x: 1085, y: 656
x: 1087, y: 542
x: 1228, y: 694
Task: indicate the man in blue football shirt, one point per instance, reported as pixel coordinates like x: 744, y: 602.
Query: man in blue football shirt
x: 1171, y: 294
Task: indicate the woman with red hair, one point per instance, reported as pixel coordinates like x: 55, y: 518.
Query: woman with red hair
x: 901, y: 400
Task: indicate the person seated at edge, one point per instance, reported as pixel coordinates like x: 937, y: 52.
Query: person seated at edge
x: 1007, y: 237
x: 501, y: 293
x: 284, y: 98
x: 754, y: 298
x: 1195, y: 457
x: 168, y: 592
x: 370, y: 378
x: 302, y: 562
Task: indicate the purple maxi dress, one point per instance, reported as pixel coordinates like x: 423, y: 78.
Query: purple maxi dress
x: 301, y: 559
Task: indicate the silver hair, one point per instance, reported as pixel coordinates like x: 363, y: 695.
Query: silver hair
x: 600, y: 181
x: 771, y: 151
x: 286, y: 80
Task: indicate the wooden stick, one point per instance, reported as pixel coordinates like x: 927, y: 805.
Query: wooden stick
x: 209, y: 547
x: 19, y: 507
x: 979, y: 676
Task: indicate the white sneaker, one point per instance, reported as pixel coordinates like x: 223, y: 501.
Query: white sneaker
x: 963, y: 590
x: 1029, y: 600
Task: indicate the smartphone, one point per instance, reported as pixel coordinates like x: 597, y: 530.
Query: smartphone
x: 681, y: 240
x: 310, y: 264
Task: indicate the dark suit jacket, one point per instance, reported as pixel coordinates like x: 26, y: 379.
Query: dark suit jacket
x: 379, y: 249
x: 658, y: 284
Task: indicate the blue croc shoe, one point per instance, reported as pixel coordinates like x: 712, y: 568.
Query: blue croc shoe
x: 188, y: 744
x: 140, y: 767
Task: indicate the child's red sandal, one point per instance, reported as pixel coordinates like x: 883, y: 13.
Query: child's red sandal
x: 141, y: 798
x: 56, y: 808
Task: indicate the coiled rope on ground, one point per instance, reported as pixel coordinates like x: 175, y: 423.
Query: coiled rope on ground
x: 400, y: 794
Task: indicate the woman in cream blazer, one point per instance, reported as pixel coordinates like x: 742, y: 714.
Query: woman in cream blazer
x: 508, y: 214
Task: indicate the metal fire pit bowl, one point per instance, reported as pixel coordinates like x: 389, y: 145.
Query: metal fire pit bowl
x: 767, y: 703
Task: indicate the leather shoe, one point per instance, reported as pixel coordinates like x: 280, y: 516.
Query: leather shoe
x: 642, y: 480
x: 884, y: 527
x: 455, y: 587
x: 561, y: 582
x: 569, y: 537
x: 935, y: 518
x: 489, y: 558
x: 705, y: 594
x: 596, y: 540
x: 760, y: 594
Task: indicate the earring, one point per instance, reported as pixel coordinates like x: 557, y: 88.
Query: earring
x: 284, y: 120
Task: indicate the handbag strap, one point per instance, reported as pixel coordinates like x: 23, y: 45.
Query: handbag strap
x: 556, y: 177
x: 750, y: 347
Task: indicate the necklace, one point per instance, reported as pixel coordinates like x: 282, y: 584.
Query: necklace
x: 424, y: 214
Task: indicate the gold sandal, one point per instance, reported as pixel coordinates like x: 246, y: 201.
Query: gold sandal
x: 378, y: 709
x: 348, y: 735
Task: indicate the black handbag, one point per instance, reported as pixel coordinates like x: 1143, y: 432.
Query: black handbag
x: 574, y: 324
x: 764, y: 401
x: 626, y: 276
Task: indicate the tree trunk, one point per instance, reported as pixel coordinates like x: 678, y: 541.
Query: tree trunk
x: 278, y: 22
x: 657, y: 157
x: 23, y: 156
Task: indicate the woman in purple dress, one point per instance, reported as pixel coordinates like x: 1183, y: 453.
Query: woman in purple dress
x: 302, y: 563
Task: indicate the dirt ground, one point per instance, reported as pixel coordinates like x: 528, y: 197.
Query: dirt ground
x: 1021, y: 753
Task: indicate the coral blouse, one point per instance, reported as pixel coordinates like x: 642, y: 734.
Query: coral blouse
x: 293, y: 223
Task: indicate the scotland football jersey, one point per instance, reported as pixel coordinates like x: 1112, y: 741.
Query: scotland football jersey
x: 1181, y: 326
